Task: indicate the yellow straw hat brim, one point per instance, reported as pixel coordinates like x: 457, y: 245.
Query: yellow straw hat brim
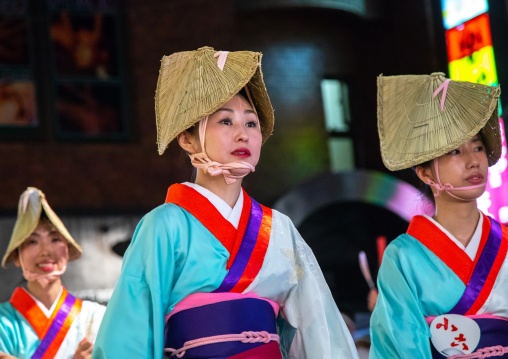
x: 30, y: 206
x: 192, y: 86
x: 413, y: 128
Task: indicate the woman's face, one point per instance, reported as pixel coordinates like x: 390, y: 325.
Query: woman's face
x: 44, y: 251
x: 233, y: 133
x: 465, y: 166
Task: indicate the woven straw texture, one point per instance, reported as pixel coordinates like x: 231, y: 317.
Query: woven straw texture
x: 31, y: 203
x: 413, y: 129
x: 192, y: 86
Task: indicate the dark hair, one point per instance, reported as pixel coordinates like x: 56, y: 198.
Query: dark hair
x: 44, y: 219
x: 243, y: 93
x: 194, y: 130
x: 424, y: 188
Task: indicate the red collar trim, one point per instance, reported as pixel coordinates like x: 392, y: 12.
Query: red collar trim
x: 24, y: 304
x: 258, y: 254
x: 443, y: 247
x: 205, y: 212
x: 28, y: 308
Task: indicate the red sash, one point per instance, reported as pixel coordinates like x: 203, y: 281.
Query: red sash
x: 479, y: 275
x: 51, y: 331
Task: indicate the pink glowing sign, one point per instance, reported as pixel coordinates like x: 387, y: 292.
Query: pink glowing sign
x: 494, y: 201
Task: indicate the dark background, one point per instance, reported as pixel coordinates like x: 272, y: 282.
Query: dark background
x: 300, y: 44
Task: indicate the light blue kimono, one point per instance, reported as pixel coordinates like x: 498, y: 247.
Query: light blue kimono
x: 17, y: 337
x: 172, y: 255
x: 414, y: 283
x: 20, y: 340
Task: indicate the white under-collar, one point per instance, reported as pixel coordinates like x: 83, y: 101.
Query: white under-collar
x: 474, y: 243
x: 232, y: 215
x: 47, y: 312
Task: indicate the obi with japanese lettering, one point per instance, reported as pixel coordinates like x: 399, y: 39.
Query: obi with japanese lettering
x: 42, y: 320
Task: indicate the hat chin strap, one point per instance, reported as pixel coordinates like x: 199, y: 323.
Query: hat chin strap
x: 43, y: 279
x: 232, y: 171
x: 447, y: 186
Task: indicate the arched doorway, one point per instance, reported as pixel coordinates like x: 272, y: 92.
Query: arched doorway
x: 343, y: 213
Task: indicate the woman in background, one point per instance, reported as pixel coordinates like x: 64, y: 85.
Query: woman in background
x: 43, y: 320
x: 443, y: 285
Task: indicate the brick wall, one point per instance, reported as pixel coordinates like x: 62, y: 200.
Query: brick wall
x: 300, y: 47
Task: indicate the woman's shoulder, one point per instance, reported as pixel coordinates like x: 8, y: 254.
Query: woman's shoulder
x: 91, y: 307
x: 403, y: 242
x: 166, y: 209
x: 403, y: 246
x: 165, y: 215
x: 6, y: 311
x: 281, y: 217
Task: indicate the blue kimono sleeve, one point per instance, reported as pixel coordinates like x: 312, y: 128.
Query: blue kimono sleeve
x: 133, y: 325
x: 7, y: 332
x: 398, y: 327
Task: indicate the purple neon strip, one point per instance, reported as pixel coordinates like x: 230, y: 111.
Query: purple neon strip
x: 55, y: 327
x: 245, y: 251
x: 481, y: 271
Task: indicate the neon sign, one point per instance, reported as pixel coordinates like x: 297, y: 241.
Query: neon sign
x: 455, y: 12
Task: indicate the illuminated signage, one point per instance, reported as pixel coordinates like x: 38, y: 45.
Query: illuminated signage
x: 479, y: 67
x: 494, y: 201
x: 456, y: 12
x: 466, y: 39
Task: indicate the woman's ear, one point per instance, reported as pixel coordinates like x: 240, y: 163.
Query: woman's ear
x: 187, y: 142
x: 15, y: 257
x: 424, y: 174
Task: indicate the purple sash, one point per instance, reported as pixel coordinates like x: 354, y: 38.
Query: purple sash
x: 55, y: 327
x: 253, y: 234
x: 481, y: 270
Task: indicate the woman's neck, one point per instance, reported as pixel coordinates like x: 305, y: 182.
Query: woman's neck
x: 458, y: 218
x: 47, y: 294
x: 229, y: 193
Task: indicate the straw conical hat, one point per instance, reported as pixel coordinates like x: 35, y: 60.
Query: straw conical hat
x: 30, y: 206
x: 414, y: 127
x: 191, y: 86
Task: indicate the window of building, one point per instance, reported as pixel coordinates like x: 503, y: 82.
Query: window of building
x: 335, y: 96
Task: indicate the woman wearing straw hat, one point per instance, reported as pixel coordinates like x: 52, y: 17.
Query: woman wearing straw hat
x: 443, y: 285
x: 208, y: 273
x: 43, y: 320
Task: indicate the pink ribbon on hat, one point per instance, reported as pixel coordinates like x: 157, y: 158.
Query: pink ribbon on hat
x: 444, y: 87
x: 201, y: 159
x: 439, y: 186
x: 223, y: 55
x: 447, y: 186
x: 31, y: 195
